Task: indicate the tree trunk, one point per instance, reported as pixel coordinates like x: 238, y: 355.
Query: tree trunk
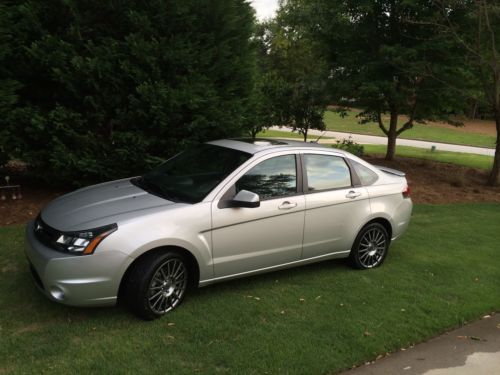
x: 304, y: 133
x: 495, y: 170
x: 474, y: 111
x: 392, y: 135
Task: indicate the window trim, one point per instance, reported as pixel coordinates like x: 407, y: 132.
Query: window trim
x: 355, y: 182
x: 352, y: 167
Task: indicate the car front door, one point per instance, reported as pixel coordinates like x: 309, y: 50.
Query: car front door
x: 250, y: 239
x: 335, y: 207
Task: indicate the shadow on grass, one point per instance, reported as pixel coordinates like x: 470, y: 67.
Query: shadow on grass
x: 43, y: 307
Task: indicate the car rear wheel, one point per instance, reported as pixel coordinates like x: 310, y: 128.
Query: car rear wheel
x: 370, y: 247
x: 157, y: 284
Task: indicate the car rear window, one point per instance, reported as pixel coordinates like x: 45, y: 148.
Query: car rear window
x: 326, y: 172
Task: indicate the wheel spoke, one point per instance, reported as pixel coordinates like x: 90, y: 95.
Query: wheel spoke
x: 179, y: 269
x: 155, y: 295
x: 162, y: 271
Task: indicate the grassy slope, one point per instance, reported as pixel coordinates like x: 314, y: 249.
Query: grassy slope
x: 269, y: 133
x: 442, y: 273
x: 460, y: 158
x: 349, y: 124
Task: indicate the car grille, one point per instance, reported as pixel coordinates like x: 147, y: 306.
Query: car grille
x: 45, y: 234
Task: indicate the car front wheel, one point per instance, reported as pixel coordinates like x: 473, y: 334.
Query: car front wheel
x: 370, y: 247
x: 157, y: 284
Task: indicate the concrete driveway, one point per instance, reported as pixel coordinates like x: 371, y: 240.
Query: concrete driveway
x: 375, y: 140
x: 471, y: 350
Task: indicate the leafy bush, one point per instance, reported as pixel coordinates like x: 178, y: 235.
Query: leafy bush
x: 347, y: 144
x: 103, y: 89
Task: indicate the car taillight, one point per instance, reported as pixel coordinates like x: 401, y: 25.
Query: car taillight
x: 406, y: 192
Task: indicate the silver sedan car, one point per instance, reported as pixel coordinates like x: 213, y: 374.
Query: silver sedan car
x: 225, y: 209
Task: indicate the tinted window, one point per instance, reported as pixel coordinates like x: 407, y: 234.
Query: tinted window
x: 366, y: 175
x: 276, y: 177
x: 192, y: 174
x: 326, y: 172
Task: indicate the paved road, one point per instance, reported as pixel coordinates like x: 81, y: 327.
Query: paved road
x: 471, y: 350
x: 375, y: 140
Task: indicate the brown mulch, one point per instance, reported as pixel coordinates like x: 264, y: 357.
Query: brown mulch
x: 20, y: 211
x: 430, y: 182
x: 439, y: 183
x: 486, y: 127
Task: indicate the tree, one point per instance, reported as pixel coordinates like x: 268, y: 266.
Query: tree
x: 107, y: 88
x: 475, y: 27
x: 296, y: 77
x: 378, y: 60
x: 8, y: 85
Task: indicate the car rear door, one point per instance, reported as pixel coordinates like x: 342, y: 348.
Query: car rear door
x: 336, y: 205
x: 249, y: 239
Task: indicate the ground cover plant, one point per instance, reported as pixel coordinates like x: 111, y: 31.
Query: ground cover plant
x: 315, y: 319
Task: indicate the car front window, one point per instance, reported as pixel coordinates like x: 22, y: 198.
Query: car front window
x: 192, y: 174
x: 275, y: 177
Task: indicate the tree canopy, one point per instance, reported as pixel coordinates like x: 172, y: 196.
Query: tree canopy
x: 295, y: 76
x: 380, y: 60
x: 109, y: 87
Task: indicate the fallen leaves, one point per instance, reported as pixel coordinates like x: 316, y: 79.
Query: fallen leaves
x: 475, y: 338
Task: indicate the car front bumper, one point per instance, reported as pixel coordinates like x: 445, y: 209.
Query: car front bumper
x: 86, y: 280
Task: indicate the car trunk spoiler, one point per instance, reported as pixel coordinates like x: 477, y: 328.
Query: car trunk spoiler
x: 391, y: 171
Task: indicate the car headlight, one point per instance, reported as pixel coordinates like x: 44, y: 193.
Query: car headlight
x: 78, y: 242
x: 83, y: 242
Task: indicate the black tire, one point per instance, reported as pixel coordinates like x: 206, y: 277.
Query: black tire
x: 157, y: 284
x: 370, y: 247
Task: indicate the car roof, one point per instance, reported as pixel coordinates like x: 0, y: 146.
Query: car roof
x: 257, y: 145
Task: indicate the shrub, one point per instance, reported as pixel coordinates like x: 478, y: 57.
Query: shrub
x: 104, y: 89
x: 347, y: 144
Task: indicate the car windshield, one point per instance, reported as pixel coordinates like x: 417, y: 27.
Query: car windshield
x: 192, y: 174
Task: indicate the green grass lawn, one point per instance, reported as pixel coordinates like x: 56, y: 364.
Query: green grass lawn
x: 349, y: 124
x: 460, y: 158
x: 442, y: 273
x: 269, y: 133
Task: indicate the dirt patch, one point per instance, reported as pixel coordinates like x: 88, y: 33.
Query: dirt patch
x: 485, y: 127
x: 438, y: 183
x: 33, y: 327
x: 430, y: 182
x: 22, y: 210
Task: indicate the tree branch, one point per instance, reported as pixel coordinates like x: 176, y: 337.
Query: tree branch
x: 409, y: 124
x: 381, y: 124
x: 457, y: 37
x: 491, y: 31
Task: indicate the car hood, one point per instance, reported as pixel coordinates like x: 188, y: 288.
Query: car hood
x: 97, y: 205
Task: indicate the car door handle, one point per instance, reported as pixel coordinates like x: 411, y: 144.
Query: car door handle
x: 352, y: 194
x: 286, y: 205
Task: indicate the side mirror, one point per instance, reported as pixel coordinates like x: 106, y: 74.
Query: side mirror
x: 245, y: 198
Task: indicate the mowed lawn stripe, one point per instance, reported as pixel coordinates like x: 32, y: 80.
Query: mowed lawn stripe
x: 314, y: 319
x: 424, y: 132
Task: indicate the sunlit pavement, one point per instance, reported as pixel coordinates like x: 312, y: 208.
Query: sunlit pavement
x: 471, y: 350
x: 375, y: 140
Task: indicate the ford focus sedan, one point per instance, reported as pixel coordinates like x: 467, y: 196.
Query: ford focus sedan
x: 225, y: 209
